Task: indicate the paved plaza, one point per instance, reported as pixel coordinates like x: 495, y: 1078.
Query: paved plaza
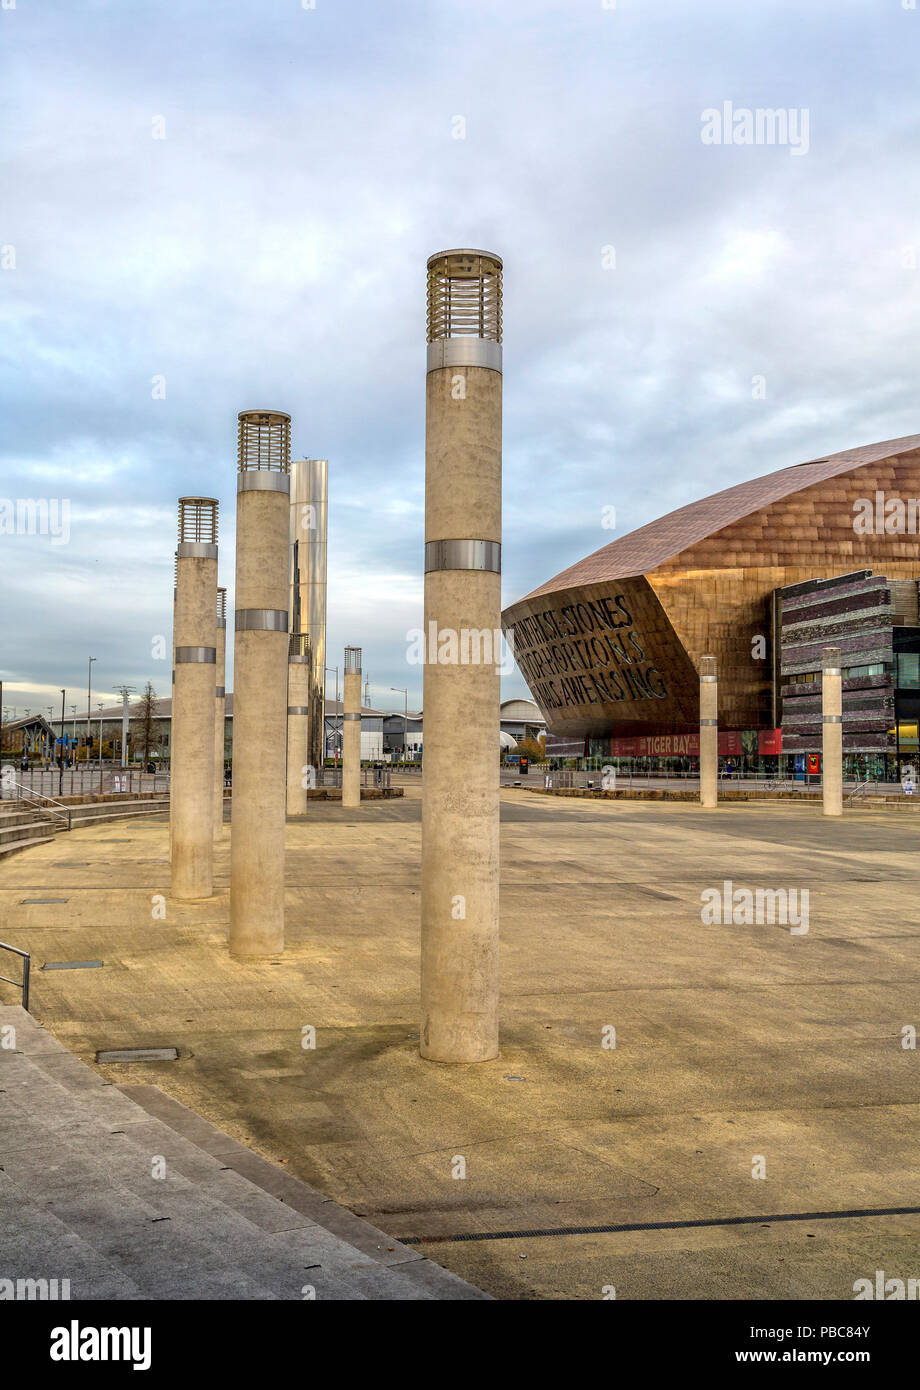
x: 739, y: 1048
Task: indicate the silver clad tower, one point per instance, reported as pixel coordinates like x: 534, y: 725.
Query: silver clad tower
x: 460, y: 852
x: 309, y: 520
x: 192, y: 733
x: 260, y: 674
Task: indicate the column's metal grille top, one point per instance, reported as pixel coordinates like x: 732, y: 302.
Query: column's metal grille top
x: 352, y: 659
x: 300, y: 645
x: 264, y: 441
x: 222, y: 605
x: 198, y: 520
x: 464, y: 296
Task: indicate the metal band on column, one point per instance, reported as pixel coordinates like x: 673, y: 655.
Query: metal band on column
x: 463, y: 555
x: 205, y: 654
x: 261, y: 620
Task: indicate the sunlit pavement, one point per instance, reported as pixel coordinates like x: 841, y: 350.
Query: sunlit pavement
x: 739, y: 1049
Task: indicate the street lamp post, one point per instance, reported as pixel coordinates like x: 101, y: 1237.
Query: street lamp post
x: 61, y: 763
x: 398, y: 690
x: 89, y: 710
x: 125, y: 691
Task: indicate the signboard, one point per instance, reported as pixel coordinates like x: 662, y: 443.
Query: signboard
x: 769, y: 741
x: 656, y: 746
x: 814, y: 762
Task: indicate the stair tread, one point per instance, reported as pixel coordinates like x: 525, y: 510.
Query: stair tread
x: 78, y: 1182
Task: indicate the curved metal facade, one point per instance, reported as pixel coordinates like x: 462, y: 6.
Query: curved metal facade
x: 613, y: 644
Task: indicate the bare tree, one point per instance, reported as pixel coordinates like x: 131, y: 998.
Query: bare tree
x: 144, y: 724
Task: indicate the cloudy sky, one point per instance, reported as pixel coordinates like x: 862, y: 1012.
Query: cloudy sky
x: 270, y: 251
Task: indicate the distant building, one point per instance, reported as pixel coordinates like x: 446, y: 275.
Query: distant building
x: 762, y: 575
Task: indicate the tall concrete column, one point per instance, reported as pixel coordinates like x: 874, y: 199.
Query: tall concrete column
x: 309, y: 528
x: 351, y: 729
x: 298, y: 713
x: 709, y: 732
x: 832, y: 731
x: 191, y: 808
x: 260, y: 675
x: 460, y: 802
x: 219, y: 713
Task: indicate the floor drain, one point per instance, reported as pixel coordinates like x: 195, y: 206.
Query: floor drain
x: 140, y: 1054
x: 71, y: 864
x: 42, y: 900
x: 72, y: 965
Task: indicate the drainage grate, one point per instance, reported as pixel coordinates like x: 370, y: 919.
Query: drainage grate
x: 114, y: 842
x: 663, y: 1225
x: 71, y: 864
x: 41, y: 900
x: 72, y: 965
x: 140, y: 1054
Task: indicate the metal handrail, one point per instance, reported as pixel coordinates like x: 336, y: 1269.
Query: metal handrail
x: 64, y: 813
x: 862, y: 789
x: 26, y: 971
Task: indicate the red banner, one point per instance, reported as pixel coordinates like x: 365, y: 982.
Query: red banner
x: 688, y: 745
x: 656, y: 746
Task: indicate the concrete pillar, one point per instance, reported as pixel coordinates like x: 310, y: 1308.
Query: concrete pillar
x: 832, y: 731
x: 309, y: 526
x: 460, y: 801
x: 191, y: 798
x: 709, y: 732
x: 260, y: 675
x: 219, y: 713
x: 298, y: 713
x: 351, y: 729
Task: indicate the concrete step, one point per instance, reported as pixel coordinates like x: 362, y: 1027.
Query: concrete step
x: 29, y: 830
x: 16, y: 814
x: 14, y: 846
x: 92, y: 812
x: 129, y: 1194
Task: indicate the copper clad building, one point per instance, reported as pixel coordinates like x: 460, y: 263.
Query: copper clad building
x: 610, y: 648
